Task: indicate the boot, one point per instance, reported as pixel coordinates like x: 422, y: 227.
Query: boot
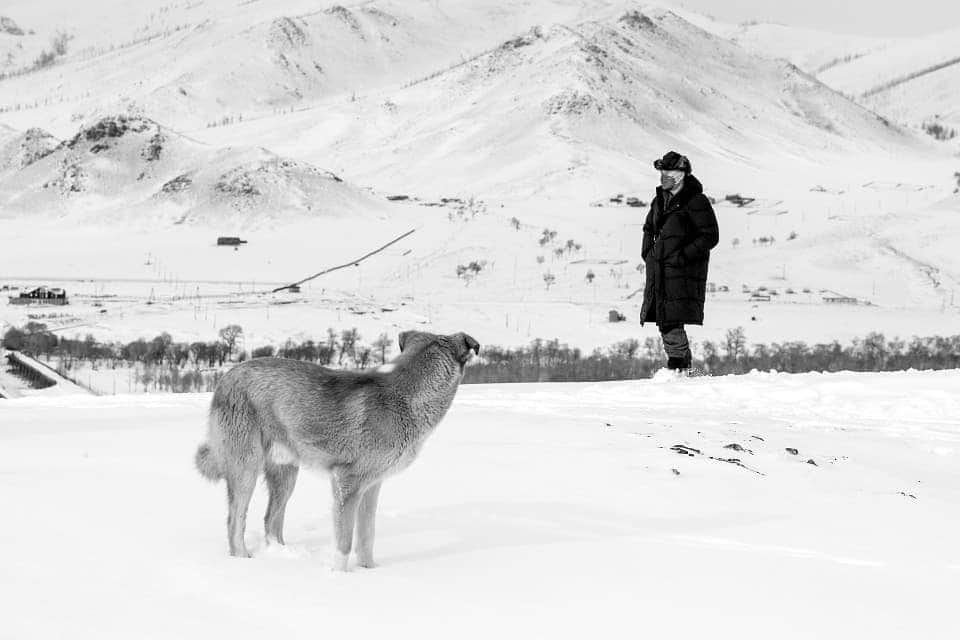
x: 676, y: 363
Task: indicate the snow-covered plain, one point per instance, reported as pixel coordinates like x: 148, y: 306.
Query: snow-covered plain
x: 536, y: 511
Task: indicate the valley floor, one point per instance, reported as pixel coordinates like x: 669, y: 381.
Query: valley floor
x: 539, y: 511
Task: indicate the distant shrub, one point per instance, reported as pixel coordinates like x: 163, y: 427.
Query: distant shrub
x: 468, y: 272
x: 58, y: 49
x: 59, y: 43
x: 547, y: 237
x: 263, y: 352
x: 939, y: 131
x: 45, y: 59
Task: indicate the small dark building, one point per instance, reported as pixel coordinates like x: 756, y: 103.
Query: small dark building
x: 616, y: 316
x: 41, y: 295
x: 229, y: 241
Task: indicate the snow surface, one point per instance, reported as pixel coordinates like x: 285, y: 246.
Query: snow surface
x: 540, y: 511
x: 810, y: 49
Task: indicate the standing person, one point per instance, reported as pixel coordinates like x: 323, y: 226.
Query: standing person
x: 678, y: 234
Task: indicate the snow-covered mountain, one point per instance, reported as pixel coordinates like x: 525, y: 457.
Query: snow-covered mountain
x: 812, y: 50
x: 915, y: 80
x: 911, y: 80
x: 577, y: 105
x: 388, y: 94
x: 513, y: 118
x: 190, y: 64
x: 131, y: 168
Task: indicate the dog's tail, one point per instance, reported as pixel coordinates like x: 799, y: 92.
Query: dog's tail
x: 207, y: 463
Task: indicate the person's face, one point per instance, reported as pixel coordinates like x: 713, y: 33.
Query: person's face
x: 670, y: 179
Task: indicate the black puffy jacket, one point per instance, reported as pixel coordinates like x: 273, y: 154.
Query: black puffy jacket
x: 676, y: 250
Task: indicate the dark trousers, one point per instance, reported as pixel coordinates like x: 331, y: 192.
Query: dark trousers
x: 677, y: 346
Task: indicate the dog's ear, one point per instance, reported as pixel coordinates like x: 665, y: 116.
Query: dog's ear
x: 466, y: 344
x: 402, y: 339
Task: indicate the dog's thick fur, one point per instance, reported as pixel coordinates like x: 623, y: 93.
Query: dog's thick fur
x: 272, y: 416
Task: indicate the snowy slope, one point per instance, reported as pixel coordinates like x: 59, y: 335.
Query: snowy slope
x: 894, y: 62
x: 574, y: 107
x: 812, y: 50
x: 539, y: 511
x: 390, y: 96
x: 19, y: 149
x: 194, y: 63
x: 913, y: 81
x: 929, y: 99
x: 132, y: 169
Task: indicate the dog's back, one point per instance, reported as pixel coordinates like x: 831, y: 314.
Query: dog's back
x: 277, y: 407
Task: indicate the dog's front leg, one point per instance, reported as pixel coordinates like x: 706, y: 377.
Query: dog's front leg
x: 346, y: 497
x: 366, y: 525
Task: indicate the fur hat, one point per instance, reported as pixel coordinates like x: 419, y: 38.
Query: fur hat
x: 672, y: 161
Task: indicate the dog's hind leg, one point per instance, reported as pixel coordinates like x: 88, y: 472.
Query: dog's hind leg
x: 347, y: 489
x: 366, y: 525
x: 281, y: 478
x: 240, y: 484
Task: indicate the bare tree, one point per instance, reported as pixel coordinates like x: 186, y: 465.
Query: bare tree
x: 382, y: 345
x: 348, y: 344
x: 229, y: 335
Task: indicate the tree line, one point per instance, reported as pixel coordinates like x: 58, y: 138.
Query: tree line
x: 167, y: 365
x: 163, y: 364
x: 630, y: 359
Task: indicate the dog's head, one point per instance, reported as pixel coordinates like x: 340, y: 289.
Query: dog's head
x: 460, y: 344
x: 464, y: 345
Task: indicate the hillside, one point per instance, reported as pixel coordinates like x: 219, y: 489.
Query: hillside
x: 911, y: 80
x: 193, y: 64
x: 554, y: 109
x: 19, y: 149
x: 133, y: 170
x: 812, y: 50
x: 914, y: 81
x: 563, y: 108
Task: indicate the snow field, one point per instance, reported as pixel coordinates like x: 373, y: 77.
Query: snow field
x: 538, y: 511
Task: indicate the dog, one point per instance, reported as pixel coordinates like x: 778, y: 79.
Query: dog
x: 272, y: 416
